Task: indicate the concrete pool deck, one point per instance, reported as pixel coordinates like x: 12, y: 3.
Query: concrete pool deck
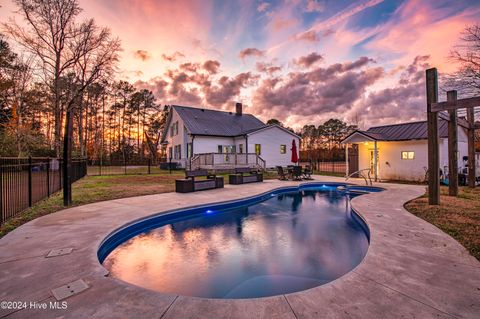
x: 412, y: 269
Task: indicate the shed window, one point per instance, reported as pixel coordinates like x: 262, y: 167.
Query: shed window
x: 283, y: 149
x: 408, y: 155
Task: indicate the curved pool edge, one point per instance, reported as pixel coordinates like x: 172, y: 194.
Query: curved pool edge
x: 162, y: 218
x: 371, y: 289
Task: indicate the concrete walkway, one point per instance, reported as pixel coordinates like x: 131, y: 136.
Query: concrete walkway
x: 411, y: 270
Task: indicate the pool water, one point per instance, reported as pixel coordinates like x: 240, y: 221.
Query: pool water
x: 281, y: 243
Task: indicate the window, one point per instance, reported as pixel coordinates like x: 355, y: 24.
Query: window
x: 177, y: 152
x: 226, y: 149
x: 174, y: 129
x: 283, y: 149
x: 170, y: 153
x: 189, y: 150
x: 408, y: 155
x: 240, y: 148
x: 258, y: 149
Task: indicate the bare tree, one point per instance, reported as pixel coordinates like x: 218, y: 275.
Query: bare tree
x: 467, y: 54
x: 51, y: 35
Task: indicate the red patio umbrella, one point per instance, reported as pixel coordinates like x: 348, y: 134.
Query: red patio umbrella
x: 294, y: 152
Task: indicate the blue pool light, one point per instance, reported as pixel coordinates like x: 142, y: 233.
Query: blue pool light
x: 209, y: 211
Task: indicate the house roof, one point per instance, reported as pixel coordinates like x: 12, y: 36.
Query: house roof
x: 407, y: 131
x: 200, y: 121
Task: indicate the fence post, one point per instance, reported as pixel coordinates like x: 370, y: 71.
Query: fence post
x: 48, y: 176
x: 125, y: 165
x: 29, y: 181
x: 148, y: 165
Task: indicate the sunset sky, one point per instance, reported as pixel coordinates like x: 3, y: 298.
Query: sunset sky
x: 301, y: 61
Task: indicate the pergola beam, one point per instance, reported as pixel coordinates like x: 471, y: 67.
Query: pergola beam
x: 455, y: 105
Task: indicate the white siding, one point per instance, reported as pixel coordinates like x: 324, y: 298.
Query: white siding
x: 392, y: 167
x: 270, y: 140
x: 209, y: 144
x: 179, y: 139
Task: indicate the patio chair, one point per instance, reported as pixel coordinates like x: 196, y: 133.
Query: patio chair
x: 297, y: 173
x: 307, y: 173
x: 281, y: 174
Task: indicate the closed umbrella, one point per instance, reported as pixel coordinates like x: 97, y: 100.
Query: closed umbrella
x: 294, y: 152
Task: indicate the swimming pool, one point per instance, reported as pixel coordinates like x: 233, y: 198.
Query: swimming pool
x: 283, y: 241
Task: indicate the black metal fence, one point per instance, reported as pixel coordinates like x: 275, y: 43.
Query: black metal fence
x: 25, y: 181
x: 328, y: 167
x: 119, y: 166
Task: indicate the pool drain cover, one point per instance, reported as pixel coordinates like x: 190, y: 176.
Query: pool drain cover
x: 59, y: 252
x: 70, y: 289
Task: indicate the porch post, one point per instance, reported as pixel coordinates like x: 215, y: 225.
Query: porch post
x: 346, y: 160
x: 375, y: 160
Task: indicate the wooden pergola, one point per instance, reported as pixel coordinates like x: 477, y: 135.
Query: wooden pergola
x: 451, y: 105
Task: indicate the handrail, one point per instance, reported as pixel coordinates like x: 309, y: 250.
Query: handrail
x: 361, y: 174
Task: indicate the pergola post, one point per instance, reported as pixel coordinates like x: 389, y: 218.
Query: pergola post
x: 346, y: 160
x: 375, y: 161
x: 471, y: 147
x: 452, y: 147
x: 433, y: 149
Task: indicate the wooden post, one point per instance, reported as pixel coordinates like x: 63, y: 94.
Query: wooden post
x: 346, y: 160
x: 471, y: 147
x: 452, y: 147
x: 375, y: 160
x: 433, y: 149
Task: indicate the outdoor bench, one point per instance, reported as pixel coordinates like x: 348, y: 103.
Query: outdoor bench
x: 191, y: 184
x: 245, y: 175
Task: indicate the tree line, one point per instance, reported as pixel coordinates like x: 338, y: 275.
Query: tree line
x: 56, y: 91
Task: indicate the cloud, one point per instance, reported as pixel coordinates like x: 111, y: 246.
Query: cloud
x: 432, y: 29
x: 314, y: 6
x: 173, y: 57
x: 142, y: 55
x: 228, y: 88
x: 400, y: 102
x: 267, y: 68
x: 308, y: 60
x: 309, y: 36
x: 262, y: 7
x: 211, y: 66
x: 321, y: 91
x: 254, y: 52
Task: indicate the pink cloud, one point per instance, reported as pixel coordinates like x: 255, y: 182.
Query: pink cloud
x: 431, y: 31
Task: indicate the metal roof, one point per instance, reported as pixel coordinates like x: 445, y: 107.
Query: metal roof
x: 405, y: 131
x: 217, y: 123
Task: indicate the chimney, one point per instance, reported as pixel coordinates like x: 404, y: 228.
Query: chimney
x: 238, y: 108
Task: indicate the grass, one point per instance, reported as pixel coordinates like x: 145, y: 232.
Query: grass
x: 457, y: 216
x: 93, y: 189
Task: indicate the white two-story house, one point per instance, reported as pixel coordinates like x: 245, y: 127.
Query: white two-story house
x: 204, y: 138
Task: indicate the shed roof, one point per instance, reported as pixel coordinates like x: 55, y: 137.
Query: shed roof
x: 407, y: 131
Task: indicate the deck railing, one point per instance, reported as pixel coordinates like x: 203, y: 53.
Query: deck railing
x: 226, y: 159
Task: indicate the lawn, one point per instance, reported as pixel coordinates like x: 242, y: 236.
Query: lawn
x: 93, y: 189
x: 458, y: 217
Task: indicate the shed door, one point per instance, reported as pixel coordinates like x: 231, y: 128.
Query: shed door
x: 353, y: 160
